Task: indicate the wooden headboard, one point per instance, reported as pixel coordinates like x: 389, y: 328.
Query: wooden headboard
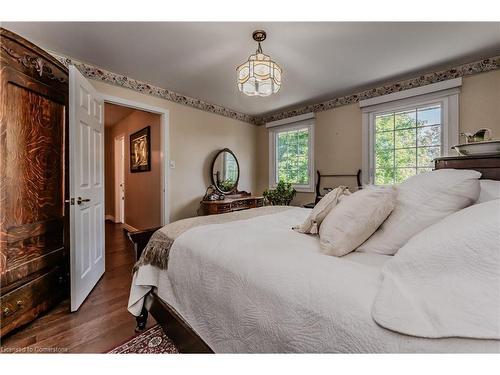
x: 489, y: 166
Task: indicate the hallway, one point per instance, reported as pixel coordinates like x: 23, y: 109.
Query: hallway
x: 101, y: 323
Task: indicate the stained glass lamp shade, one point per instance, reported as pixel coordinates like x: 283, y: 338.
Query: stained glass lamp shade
x: 259, y: 76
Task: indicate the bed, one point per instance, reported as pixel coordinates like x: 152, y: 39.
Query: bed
x: 261, y: 287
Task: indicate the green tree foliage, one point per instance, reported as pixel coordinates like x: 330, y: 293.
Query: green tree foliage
x: 293, y: 155
x: 406, y: 143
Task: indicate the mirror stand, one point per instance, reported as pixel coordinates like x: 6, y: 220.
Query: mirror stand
x: 223, y: 195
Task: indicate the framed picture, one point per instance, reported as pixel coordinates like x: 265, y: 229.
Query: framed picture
x: 140, y: 151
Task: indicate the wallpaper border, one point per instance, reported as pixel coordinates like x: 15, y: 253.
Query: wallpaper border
x: 475, y: 67
x: 100, y: 74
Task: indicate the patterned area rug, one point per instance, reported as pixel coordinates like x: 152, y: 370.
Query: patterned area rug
x: 151, y: 341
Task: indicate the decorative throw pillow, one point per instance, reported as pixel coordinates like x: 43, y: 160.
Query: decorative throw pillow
x: 355, y: 218
x: 319, y: 212
x: 423, y: 200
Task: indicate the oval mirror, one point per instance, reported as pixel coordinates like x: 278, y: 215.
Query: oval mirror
x: 225, y: 171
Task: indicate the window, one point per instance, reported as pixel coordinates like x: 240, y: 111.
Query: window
x: 291, y: 147
x: 404, y: 132
x: 231, y: 169
x: 406, y: 143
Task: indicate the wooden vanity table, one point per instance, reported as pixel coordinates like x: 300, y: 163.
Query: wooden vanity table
x: 225, y: 174
x: 235, y: 202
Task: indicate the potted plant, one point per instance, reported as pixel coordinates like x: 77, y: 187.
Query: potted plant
x: 282, y: 195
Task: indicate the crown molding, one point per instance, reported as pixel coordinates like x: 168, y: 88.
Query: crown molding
x: 96, y: 73
x: 475, y: 67
x: 99, y: 74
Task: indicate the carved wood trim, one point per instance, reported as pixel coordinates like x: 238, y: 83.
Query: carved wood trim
x: 35, y: 50
x: 36, y: 63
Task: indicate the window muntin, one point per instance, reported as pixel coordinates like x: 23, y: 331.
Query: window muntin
x: 406, y: 142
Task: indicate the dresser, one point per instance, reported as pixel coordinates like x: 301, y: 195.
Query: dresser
x: 236, y: 202
x: 488, y: 165
x: 34, y: 251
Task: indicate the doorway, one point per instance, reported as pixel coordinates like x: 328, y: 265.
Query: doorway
x: 164, y: 145
x: 119, y: 182
x: 133, y: 190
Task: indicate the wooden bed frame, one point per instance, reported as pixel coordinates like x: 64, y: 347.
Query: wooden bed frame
x: 184, y: 337
x: 188, y: 341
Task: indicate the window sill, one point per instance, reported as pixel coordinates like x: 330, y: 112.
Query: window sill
x: 299, y: 189
x: 304, y: 190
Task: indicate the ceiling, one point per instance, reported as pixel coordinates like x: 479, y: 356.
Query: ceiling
x: 115, y: 113
x: 320, y: 60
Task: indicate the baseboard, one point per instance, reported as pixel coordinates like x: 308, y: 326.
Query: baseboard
x: 130, y: 228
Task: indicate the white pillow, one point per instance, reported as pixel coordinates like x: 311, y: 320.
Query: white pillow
x: 355, y: 219
x: 445, y: 282
x: 490, y: 189
x: 423, y: 200
x: 319, y: 212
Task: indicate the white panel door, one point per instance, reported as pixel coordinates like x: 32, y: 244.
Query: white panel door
x: 86, y: 151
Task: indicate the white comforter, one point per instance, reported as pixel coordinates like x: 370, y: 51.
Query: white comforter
x: 261, y: 287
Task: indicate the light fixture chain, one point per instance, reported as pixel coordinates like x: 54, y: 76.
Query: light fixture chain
x: 259, y: 48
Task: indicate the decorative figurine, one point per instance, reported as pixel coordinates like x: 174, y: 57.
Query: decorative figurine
x: 478, y: 136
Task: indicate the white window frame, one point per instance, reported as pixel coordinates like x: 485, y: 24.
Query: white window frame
x: 296, y: 123
x: 444, y: 93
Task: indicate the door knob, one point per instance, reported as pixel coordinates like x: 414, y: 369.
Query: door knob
x: 80, y: 200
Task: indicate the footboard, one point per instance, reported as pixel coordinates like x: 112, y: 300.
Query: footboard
x: 184, y: 337
x: 140, y: 240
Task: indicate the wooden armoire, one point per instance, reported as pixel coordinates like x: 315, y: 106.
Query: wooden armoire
x: 34, y: 250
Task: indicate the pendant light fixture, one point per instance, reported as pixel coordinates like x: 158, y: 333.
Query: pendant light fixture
x: 259, y: 76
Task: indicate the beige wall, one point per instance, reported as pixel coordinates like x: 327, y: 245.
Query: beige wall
x: 338, y: 131
x: 480, y: 103
x: 142, y: 189
x: 195, y: 137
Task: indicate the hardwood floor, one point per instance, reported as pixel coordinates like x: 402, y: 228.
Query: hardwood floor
x: 101, y: 323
